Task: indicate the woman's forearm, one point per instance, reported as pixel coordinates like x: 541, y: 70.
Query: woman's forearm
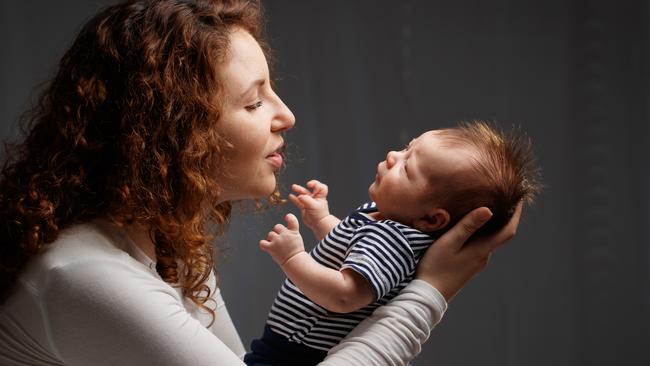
x: 393, y: 335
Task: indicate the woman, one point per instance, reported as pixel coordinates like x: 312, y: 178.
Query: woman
x: 160, y: 116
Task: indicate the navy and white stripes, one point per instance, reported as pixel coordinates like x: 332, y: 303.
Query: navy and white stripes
x: 384, y: 252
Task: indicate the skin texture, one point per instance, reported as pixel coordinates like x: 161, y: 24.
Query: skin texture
x: 447, y: 266
x: 314, y: 209
x: 254, y: 130
x: 338, y: 291
x: 412, y: 176
x: 253, y: 120
x: 403, y: 183
x: 455, y: 259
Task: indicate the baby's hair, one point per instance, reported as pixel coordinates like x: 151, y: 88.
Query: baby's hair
x: 505, y: 173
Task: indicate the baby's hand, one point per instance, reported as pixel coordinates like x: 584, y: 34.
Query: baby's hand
x: 283, y: 243
x: 312, y: 204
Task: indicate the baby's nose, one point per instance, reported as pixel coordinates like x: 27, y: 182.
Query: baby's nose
x: 390, y: 159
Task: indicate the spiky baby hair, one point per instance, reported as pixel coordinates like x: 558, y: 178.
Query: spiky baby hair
x: 504, y: 171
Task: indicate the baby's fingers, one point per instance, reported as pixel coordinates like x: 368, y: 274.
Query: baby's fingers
x: 308, y: 201
x: 319, y: 190
x: 300, y: 189
x: 294, y: 199
x: 292, y: 222
x: 279, y: 228
x: 265, y: 245
x: 272, y: 235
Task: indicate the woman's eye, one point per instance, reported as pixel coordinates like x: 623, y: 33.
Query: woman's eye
x: 254, y: 106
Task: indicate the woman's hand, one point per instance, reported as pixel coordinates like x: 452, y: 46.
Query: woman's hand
x: 453, y: 260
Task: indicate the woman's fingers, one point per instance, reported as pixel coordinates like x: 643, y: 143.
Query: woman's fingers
x: 489, y: 243
x: 510, y: 230
x: 449, y: 264
x: 459, y: 233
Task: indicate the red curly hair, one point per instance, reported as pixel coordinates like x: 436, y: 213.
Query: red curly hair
x: 126, y: 129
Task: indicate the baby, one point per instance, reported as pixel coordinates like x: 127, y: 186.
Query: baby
x: 364, y: 260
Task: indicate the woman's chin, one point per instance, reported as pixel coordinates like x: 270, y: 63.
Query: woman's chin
x: 257, y: 192
x: 268, y: 189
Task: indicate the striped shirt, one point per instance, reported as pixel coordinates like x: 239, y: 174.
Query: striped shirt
x: 384, y: 252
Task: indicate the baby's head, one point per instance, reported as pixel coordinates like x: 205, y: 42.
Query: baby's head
x: 444, y: 174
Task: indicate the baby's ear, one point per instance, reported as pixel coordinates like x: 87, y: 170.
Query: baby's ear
x: 434, y: 220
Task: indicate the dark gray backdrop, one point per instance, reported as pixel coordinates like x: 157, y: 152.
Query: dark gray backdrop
x: 363, y: 77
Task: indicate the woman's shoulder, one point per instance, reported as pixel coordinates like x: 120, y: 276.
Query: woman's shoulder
x: 87, y: 241
x: 77, y: 250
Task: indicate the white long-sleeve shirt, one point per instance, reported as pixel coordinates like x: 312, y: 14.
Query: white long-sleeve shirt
x: 94, y: 298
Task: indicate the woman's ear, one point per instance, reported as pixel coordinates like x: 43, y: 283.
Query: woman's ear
x: 435, y: 219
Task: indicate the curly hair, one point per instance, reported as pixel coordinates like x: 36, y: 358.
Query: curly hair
x: 126, y: 130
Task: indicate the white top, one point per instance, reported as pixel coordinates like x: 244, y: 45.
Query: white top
x: 93, y: 298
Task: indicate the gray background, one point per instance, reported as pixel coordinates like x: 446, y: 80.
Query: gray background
x: 363, y: 77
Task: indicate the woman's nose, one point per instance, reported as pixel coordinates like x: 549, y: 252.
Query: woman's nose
x: 284, y: 118
x: 390, y: 159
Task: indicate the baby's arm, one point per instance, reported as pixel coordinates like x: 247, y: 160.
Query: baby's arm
x: 337, y: 291
x: 313, y: 207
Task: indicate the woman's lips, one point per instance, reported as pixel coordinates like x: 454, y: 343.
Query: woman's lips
x: 275, y: 159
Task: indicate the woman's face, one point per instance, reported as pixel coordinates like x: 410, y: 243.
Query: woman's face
x: 252, y: 120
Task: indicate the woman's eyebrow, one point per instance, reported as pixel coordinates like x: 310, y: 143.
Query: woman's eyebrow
x: 255, y: 84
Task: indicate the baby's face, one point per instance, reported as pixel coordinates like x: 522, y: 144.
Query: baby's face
x: 410, y: 182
